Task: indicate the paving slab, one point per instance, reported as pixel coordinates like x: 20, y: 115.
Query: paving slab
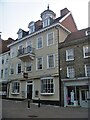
x: 19, y: 109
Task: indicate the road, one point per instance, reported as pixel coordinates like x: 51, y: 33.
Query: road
x: 19, y: 109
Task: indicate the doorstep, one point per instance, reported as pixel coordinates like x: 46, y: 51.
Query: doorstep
x: 73, y: 106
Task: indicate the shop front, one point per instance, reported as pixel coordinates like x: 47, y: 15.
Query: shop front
x: 76, y: 93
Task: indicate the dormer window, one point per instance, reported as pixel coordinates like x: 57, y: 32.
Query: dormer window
x: 47, y: 16
x: 31, y: 27
x: 19, y: 33
x: 46, y: 22
x: 87, y: 32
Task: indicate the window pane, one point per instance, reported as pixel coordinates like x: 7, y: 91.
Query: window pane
x: 1, y: 73
x: 50, y: 39
x: 39, y: 42
x: 86, y: 51
x: 70, y: 54
x: 88, y: 70
x: 39, y: 63
x: 15, y: 87
x: 70, y: 72
x: 19, y: 68
x: 46, y: 22
x: 11, y: 69
x: 28, y: 66
x: 47, y: 86
x: 51, y: 61
x: 6, y: 72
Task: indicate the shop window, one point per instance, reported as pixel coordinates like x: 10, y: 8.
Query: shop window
x: 47, y: 85
x: 15, y: 87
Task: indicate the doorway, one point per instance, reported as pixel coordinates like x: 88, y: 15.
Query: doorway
x: 29, y: 90
x: 83, y: 98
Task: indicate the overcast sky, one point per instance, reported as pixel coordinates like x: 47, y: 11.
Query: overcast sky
x: 15, y: 14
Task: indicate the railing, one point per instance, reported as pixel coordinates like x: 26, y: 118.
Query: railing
x: 26, y: 50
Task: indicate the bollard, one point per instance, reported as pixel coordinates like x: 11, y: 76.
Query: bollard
x: 28, y: 103
x: 39, y: 102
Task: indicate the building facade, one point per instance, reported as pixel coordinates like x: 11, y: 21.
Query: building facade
x: 34, y: 65
x: 4, y: 65
x: 75, y: 68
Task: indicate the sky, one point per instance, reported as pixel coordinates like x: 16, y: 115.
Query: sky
x: 15, y: 14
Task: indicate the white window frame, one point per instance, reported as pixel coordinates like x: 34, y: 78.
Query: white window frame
x: 86, y: 70
x: 46, y: 22
x: 48, y: 92
x: 68, y: 75
x: 7, y: 58
x: 19, y: 35
x: 28, y: 64
x: 17, y: 68
x: 11, y: 68
x: 48, y: 61
x: 12, y: 52
x: 47, y: 39
x: 30, y: 45
x: 69, y: 53
x: 6, y: 72
x: 37, y: 63
x: 84, y: 47
x: 3, y: 60
x: 2, y: 73
x: 87, y: 32
x: 16, y: 92
x: 31, y: 28
x: 20, y: 46
x: 37, y: 47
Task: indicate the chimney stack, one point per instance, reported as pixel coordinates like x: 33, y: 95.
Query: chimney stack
x: 64, y: 11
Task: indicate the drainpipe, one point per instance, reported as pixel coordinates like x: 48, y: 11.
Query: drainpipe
x: 58, y: 27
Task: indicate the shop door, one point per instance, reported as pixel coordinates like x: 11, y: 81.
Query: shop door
x: 29, y: 91
x: 83, y: 98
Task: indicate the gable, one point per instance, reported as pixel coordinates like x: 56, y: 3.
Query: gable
x: 69, y: 23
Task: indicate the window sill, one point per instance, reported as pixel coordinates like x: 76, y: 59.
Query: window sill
x: 50, y: 68
x: 69, y: 60
x: 50, y: 45
x: 15, y: 93
x: 28, y: 71
x: 39, y: 70
x: 47, y: 94
x: 39, y: 48
x: 86, y: 56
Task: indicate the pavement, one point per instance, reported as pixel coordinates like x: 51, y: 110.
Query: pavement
x: 19, y: 109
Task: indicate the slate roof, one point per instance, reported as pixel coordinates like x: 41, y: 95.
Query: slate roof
x: 76, y: 38
x: 77, y: 35
x: 3, y: 45
x: 67, y: 22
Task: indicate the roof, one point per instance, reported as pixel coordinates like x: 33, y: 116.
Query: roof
x: 77, y: 35
x: 69, y: 23
x: 3, y: 45
x: 65, y: 20
x: 48, y: 10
